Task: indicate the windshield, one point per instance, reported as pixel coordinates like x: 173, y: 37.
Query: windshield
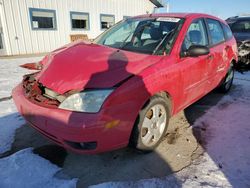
x: 241, y: 26
x: 143, y: 35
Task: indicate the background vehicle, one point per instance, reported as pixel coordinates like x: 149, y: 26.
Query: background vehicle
x: 123, y: 88
x: 241, y: 30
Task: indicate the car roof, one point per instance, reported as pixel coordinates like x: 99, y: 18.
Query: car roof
x: 242, y: 18
x: 236, y: 18
x: 179, y: 15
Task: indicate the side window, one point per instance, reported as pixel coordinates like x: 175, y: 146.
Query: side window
x: 215, y: 31
x: 227, y: 31
x: 196, y: 35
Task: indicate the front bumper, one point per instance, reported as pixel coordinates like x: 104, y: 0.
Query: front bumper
x: 64, y: 127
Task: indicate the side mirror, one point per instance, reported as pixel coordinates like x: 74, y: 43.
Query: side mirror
x: 197, y: 50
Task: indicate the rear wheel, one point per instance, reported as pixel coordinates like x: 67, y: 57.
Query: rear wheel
x: 228, y: 80
x: 151, y: 124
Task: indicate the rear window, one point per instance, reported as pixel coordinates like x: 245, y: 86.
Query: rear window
x: 215, y: 30
x: 227, y: 31
x: 241, y: 26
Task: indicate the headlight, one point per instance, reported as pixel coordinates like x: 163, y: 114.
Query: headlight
x: 86, y: 101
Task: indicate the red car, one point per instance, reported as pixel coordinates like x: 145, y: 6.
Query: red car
x: 122, y: 89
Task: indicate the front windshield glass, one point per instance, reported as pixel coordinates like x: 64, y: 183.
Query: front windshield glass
x: 143, y: 35
x: 241, y: 26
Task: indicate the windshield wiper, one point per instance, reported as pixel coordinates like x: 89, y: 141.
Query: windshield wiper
x: 164, y: 38
x: 124, y: 42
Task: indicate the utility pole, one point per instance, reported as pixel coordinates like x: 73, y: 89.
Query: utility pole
x: 168, y: 8
x: 161, y: 6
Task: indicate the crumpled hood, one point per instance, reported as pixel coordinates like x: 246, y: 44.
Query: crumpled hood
x: 80, y: 66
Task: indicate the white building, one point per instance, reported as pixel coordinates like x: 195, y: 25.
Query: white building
x: 37, y: 26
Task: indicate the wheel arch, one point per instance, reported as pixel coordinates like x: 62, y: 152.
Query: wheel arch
x: 163, y: 94
x: 233, y: 61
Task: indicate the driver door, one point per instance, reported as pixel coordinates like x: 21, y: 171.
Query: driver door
x: 194, y: 70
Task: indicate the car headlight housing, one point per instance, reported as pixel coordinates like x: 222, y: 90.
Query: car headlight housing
x: 86, y: 101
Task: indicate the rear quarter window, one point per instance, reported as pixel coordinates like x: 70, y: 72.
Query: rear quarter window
x: 215, y: 31
x: 227, y: 31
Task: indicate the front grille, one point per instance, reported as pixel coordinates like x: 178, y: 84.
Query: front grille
x: 34, y: 91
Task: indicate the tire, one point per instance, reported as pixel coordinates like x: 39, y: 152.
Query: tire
x: 150, y: 128
x: 227, y: 81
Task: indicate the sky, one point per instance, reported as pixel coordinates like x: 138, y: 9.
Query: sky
x: 220, y: 8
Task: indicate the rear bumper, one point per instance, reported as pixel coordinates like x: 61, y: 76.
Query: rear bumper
x: 63, y: 126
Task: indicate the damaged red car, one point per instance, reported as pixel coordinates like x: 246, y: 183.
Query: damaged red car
x: 122, y: 89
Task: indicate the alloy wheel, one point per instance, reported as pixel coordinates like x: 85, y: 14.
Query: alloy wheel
x: 153, y: 125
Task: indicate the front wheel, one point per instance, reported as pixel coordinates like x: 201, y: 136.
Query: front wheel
x: 151, y: 124
x: 228, y: 80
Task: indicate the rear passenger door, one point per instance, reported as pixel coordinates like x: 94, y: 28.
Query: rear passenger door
x: 218, y: 57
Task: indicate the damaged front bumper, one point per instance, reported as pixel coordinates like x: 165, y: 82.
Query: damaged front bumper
x: 79, y: 132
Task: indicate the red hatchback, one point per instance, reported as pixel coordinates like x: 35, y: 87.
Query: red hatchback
x: 123, y: 88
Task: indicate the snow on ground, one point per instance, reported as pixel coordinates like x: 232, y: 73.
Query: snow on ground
x: 226, y: 161
x: 9, y: 122
x: 22, y: 169
x: 11, y: 74
x: 228, y: 133
x: 25, y: 169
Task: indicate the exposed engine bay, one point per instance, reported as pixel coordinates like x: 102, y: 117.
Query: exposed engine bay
x: 39, y: 94
x: 244, y: 55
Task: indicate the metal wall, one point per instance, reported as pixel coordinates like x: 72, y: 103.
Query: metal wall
x: 20, y: 38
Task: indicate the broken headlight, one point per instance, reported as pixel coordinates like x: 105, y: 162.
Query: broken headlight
x: 86, y: 101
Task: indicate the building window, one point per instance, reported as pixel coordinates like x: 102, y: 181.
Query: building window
x: 79, y: 20
x: 1, y: 39
x: 1, y: 42
x: 42, y: 18
x: 126, y: 17
x: 107, y: 21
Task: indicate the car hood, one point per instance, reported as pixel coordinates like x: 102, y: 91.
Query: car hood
x: 86, y: 66
x: 242, y: 36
